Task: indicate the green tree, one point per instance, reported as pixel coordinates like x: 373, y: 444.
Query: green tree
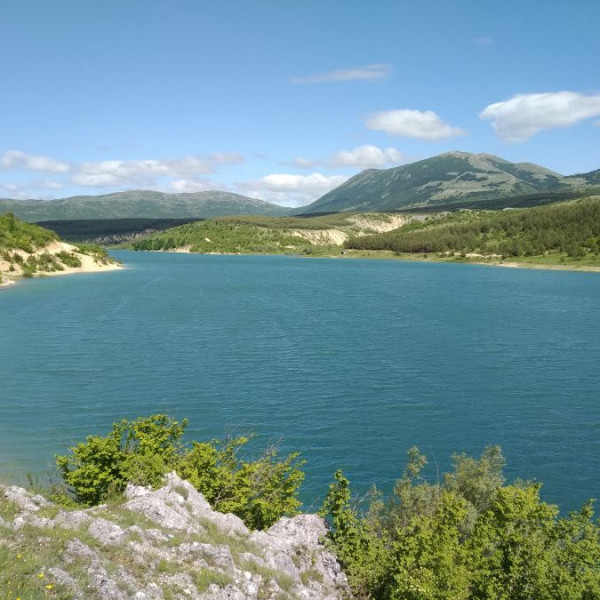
x: 258, y: 491
x: 139, y: 451
x: 466, y: 537
x: 361, y: 544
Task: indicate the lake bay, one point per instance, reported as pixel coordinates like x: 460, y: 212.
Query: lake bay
x: 351, y: 362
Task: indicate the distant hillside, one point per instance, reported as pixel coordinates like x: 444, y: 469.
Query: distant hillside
x: 557, y: 231
x: 563, y: 234
x: 451, y: 179
x: 591, y: 178
x: 269, y: 235
x: 140, y: 204
x: 109, y: 231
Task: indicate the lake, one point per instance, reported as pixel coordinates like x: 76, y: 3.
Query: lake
x: 351, y: 362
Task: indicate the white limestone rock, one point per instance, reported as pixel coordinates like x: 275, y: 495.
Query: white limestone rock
x: 190, y: 552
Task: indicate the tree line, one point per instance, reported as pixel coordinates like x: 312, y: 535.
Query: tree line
x: 572, y: 228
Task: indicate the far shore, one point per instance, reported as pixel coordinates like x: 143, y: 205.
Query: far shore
x: 473, y: 259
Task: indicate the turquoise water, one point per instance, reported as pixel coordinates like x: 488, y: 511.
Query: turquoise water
x: 349, y: 361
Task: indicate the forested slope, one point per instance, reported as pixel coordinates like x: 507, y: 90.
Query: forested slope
x: 269, y: 235
x: 569, y: 228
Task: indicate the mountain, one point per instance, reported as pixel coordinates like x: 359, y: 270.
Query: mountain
x: 583, y: 179
x: 451, y: 178
x: 140, y: 204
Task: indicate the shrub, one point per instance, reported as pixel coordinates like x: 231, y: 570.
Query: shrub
x: 69, y: 259
x: 139, y: 451
x: 258, y: 491
x: 468, y: 537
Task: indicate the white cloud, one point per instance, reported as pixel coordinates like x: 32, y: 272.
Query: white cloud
x: 121, y: 173
x: 17, y: 160
x: 110, y: 173
x: 483, y: 41
x: 363, y: 157
x: 52, y: 185
x: 366, y: 156
x: 423, y: 125
x: 186, y: 186
x: 368, y: 72
x: 291, y: 190
x: 524, y: 115
x: 30, y: 190
x: 304, y: 163
x: 14, y: 191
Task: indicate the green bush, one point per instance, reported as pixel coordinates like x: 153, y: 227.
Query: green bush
x: 139, y: 451
x: 258, y: 491
x: 69, y: 259
x: 469, y: 537
x: 25, y: 236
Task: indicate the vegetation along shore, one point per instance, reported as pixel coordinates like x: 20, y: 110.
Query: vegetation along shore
x: 139, y: 511
x: 562, y: 235
x: 27, y: 250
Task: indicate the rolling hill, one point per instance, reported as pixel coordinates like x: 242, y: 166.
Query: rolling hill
x: 455, y: 178
x: 552, y: 233
x: 560, y: 234
x: 140, y: 204
x: 269, y: 235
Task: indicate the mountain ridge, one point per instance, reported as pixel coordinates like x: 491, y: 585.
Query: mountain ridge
x: 451, y: 177
x: 140, y: 204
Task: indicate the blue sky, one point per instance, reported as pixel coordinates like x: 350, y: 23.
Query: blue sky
x: 285, y: 100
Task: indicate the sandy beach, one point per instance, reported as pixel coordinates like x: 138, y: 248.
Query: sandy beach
x: 88, y: 264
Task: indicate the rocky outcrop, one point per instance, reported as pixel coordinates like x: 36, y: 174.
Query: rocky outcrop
x: 168, y: 544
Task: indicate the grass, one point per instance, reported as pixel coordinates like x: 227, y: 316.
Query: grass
x: 28, y: 555
x: 268, y: 575
x: 311, y: 575
x: 25, y: 561
x: 8, y: 509
x: 204, y: 578
x: 123, y: 517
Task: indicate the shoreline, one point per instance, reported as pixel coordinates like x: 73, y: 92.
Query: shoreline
x: 88, y: 264
x: 383, y: 255
x: 542, y: 267
x: 14, y: 280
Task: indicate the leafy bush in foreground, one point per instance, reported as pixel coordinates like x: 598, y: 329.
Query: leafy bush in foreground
x: 468, y: 537
x: 142, y: 451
